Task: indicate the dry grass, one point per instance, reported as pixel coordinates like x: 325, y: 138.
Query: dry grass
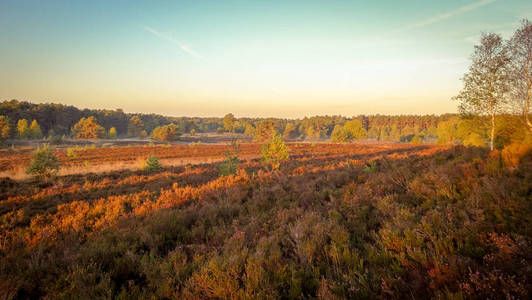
x: 19, y: 172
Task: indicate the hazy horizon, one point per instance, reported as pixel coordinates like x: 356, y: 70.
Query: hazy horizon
x: 270, y: 59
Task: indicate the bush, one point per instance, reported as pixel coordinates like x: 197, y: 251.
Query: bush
x: 71, y: 153
x: 152, y: 164
x: 230, y: 165
x: 43, y: 163
x: 512, y: 154
x: 275, y: 151
x: 370, y: 167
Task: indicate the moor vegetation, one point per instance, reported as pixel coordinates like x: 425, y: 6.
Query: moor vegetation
x: 345, y: 221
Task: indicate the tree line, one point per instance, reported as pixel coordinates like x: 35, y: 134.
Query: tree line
x: 24, y: 120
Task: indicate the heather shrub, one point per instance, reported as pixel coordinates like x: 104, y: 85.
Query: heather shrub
x: 513, y: 153
x: 425, y: 222
x: 43, y: 163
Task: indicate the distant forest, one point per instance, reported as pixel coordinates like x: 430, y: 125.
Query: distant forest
x: 59, y: 119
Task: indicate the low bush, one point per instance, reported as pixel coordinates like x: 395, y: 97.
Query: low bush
x: 43, y: 163
x: 275, y: 151
x: 513, y: 153
x: 152, y: 164
x: 230, y: 165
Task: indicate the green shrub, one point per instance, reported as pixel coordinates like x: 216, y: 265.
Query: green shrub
x: 152, y: 164
x: 71, y: 153
x: 230, y: 165
x: 43, y: 163
x: 275, y: 151
x: 370, y: 167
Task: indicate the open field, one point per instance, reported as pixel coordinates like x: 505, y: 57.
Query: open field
x: 103, y: 159
x: 348, y: 221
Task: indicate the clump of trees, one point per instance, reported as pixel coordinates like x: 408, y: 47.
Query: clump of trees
x: 25, y: 131
x: 88, y: 128
x: 355, y: 129
x: 352, y: 129
x: 340, y: 135
x: 166, y: 133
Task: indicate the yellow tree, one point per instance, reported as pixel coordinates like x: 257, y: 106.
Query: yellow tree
x: 88, y: 128
x: 23, y: 131
x: 229, y: 122
x: 5, y: 128
x: 355, y: 129
x: 35, y: 130
x: 166, y: 133
x: 112, y: 133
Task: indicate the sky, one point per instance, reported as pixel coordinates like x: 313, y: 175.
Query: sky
x: 251, y: 58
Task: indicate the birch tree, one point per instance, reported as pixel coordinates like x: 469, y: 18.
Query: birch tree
x: 486, y: 82
x: 520, y: 46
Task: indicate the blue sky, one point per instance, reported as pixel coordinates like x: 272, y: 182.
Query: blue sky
x: 252, y: 58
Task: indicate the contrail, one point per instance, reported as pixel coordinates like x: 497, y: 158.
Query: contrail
x: 172, y: 40
x: 446, y: 15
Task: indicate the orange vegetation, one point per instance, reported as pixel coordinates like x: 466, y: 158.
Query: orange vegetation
x: 348, y: 221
